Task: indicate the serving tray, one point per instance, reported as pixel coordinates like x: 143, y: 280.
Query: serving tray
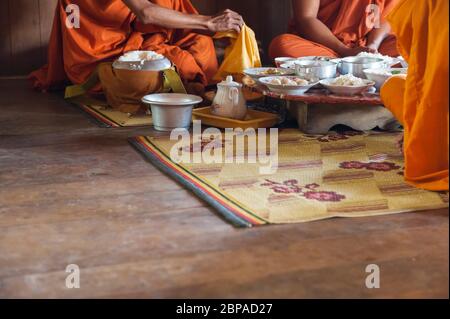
x: 254, y: 119
x: 317, y: 95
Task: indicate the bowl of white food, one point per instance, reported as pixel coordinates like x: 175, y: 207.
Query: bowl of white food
x: 257, y: 73
x: 380, y: 76
x: 390, y: 61
x: 347, y: 85
x: 288, y: 85
x: 142, y: 61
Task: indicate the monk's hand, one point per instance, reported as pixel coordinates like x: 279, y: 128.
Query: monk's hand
x: 373, y: 46
x: 226, y: 21
x: 357, y: 50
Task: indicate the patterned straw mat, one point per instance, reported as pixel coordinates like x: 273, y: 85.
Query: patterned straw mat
x: 104, y: 116
x: 339, y: 175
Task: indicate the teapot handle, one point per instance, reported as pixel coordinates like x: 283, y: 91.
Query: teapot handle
x: 234, y: 96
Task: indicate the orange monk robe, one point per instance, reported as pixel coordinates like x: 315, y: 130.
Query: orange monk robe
x: 347, y: 21
x: 108, y: 29
x: 421, y: 99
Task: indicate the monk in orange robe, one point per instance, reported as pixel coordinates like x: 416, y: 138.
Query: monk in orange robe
x: 420, y: 100
x: 109, y: 28
x: 336, y: 28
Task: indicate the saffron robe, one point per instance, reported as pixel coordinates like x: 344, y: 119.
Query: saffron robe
x: 347, y: 19
x: 421, y: 99
x: 108, y: 29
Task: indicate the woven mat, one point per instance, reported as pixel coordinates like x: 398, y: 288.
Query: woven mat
x: 318, y: 177
x: 104, y: 116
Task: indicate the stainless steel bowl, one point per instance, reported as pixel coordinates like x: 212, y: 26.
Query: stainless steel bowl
x: 154, y: 65
x: 357, y: 65
x: 315, y: 70
x: 171, y: 110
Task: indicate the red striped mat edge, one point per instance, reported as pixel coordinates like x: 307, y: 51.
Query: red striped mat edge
x: 228, y: 208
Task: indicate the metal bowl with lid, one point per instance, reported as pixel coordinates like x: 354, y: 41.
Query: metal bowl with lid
x: 315, y: 70
x: 356, y: 65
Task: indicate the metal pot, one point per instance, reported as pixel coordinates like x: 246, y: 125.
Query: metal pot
x: 314, y: 70
x: 171, y: 110
x: 357, y: 65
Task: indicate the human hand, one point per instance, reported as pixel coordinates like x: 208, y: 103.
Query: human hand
x: 373, y: 46
x: 226, y: 21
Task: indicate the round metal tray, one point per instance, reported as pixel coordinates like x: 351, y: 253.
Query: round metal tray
x: 316, y: 95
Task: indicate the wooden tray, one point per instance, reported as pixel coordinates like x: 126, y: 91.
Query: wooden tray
x: 255, y: 119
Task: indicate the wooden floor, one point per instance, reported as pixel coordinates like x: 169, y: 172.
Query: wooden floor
x: 72, y: 193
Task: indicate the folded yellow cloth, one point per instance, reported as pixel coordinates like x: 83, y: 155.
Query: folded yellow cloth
x: 242, y: 53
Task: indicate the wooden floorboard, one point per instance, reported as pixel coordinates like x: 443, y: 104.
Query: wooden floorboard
x: 73, y: 193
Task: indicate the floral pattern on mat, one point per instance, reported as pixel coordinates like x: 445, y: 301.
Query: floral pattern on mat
x: 371, y: 166
x: 309, y: 191
x: 333, y: 137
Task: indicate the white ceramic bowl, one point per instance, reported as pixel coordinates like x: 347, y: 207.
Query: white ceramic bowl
x: 381, y: 76
x: 390, y: 61
x: 286, y: 89
x: 171, y: 110
x: 257, y: 73
x: 346, y: 90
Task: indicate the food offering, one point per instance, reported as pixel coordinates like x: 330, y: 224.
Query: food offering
x: 390, y: 61
x: 380, y: 76
x: 320, y: 79
x: 356, y: 65
x: 136, y: 56
x: 289, y: 85
x: 142, y: 61
x: 347, y: 85
x: 257, y: 73
x: 288, y: 81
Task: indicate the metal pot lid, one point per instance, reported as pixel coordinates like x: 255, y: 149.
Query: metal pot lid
x: 153, y: 65
x: 175, y: 99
